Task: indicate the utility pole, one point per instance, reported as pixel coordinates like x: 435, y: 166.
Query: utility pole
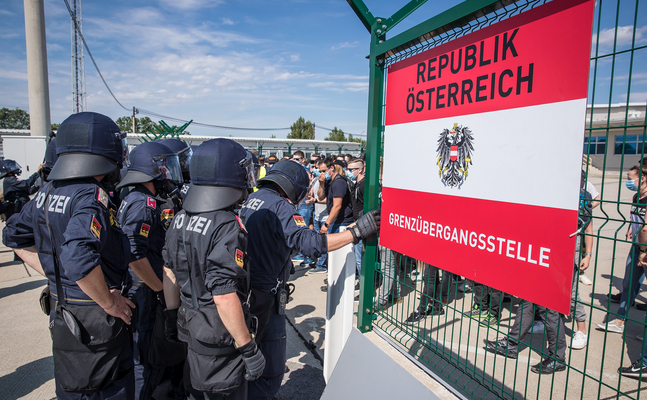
x: 313, y: 131
x: 38, y: 83
x: 134, y: 112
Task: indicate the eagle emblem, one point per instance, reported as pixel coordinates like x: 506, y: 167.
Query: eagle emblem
x: 454, y: 155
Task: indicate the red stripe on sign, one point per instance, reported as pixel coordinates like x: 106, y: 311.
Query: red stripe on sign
x: 537, y: 57
x: 519, y: 249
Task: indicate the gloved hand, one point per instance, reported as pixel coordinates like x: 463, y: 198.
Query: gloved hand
x: 253, y: 359
x: 170, y: 325
x: 366, y: 226
x: 160, y: 298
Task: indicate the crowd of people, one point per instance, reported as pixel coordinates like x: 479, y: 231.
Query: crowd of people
x: 171, y: 260
x: 439, y: 286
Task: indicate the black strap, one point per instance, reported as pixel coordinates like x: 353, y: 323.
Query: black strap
x: 57, y: 270
x: 194, y: 292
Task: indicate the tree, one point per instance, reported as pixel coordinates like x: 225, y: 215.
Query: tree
x: 356, y: 140
x: 55, y: 127
x: 272, y: 136
x: 336, y: 135
x: 14, y: 119
x: 142, y: 125
x: 301, y: 129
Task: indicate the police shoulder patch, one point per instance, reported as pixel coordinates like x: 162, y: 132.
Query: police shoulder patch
x: 151, y: 203
x: 240, y: 259
x: 145, y: 229
x: 242, y: 226
x: 167, y: 214
x: 102, y: 197
x: 95, y: 227
x: 299, y: 220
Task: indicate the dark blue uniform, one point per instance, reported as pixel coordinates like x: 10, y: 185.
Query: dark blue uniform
x: 80, y: 220
x: 16, y: 192
x: 217, y: 244
x: 141, y: 219
x: 275, y: 230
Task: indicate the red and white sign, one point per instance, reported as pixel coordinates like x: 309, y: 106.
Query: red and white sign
x: 483, y: 152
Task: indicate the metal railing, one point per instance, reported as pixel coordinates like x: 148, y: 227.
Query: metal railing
x: 450, y: 343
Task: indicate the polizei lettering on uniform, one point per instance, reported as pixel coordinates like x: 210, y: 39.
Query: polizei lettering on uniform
x: 506, y: 82
x: 57, y: 204
x: 195, y: 223
x: 502, y: 246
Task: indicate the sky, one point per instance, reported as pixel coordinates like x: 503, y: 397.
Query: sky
x: 253, y: 63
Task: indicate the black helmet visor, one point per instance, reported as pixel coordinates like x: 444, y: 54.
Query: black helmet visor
x: 167, y: 166
x: 250, y: 171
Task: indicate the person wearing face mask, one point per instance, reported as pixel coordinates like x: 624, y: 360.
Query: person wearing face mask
x: 356, y: 186
x: 320, y: 213
x: 636, y: 182
x: 154, y: 174
x: 636, y: 266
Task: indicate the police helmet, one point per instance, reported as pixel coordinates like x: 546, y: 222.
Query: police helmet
x: 289, y: 176
x: 184, y: 153
x: 50, y: 160
x: 222, y: 171
x: 88, y: 144
x: 8, y: 167
x: 152, y: 161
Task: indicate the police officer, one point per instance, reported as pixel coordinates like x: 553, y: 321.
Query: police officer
x: 154, y: 171
x: 16, y: 191
x: 77, y: 251
x: 275, y: 231
x: 184, y: 153
x: 206, y: 250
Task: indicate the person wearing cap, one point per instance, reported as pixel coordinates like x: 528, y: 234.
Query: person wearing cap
x: 79, y: 253
x: 276, y: 231
x: 271, y: 160
x: 207, y: 281
x: 153, y: 174
x: 16, y: 191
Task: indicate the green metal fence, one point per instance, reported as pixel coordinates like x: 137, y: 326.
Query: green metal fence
x: 449, y: 343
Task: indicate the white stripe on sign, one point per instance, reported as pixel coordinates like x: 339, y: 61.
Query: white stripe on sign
x: 530, y: 155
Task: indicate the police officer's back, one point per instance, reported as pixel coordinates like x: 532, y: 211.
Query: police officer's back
x: 68, y: 225
x: 206, y: 251
x: 276, y: 230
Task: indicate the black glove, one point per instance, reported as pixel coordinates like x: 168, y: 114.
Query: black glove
x: 170, y: 325
x: 366, y: 226
x: 160, y: 298
x: 253, y: 359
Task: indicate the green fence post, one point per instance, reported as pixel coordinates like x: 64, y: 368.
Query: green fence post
x: 371, y: 181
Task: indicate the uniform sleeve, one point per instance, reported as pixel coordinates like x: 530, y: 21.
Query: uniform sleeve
x: 19, y: 232
x: 137, y: 223
x: 32, y: 179
x: 226, y: 260
x: 297, y: 235
x: 85, y: 236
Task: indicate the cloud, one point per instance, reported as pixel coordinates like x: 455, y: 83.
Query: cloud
x: 5, y: 12
x: 191, y: 4
x: 8, y: 74
x: 624, y: 36
x: 294, y: 57
x: 345, y: 45
x: 227, y: 21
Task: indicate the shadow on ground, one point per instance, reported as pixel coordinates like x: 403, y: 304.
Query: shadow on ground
x: 27, y: 378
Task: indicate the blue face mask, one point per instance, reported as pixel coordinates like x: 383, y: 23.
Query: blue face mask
x: 316, y: 172
x: 631, y: 185
x: 327, y: 175
x: 350, y: 175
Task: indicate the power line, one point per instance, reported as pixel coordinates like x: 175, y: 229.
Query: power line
x: 154, y: 114
x: 328, y: 129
